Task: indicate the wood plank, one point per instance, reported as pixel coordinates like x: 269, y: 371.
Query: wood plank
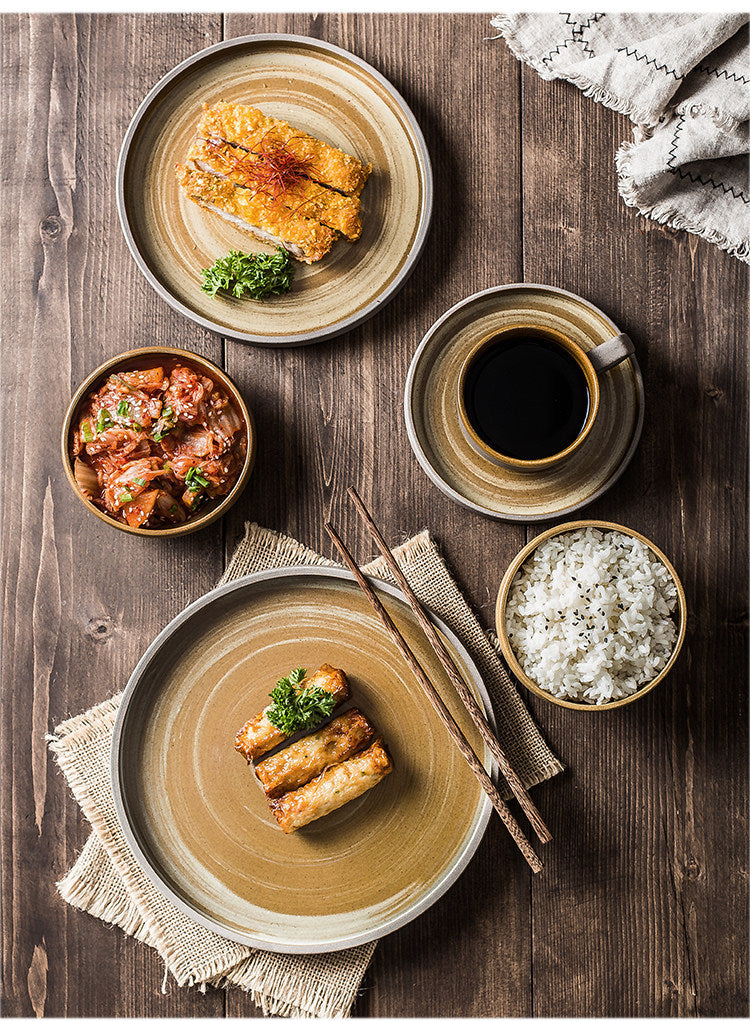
x: 646, y: 900
x: 331, y: 415
x: 642, y: 908
x: 82, y: 601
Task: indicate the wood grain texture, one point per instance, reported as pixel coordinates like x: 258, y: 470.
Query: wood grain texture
x: 79, y: 606
x: 659, y: 789
x: 641, y: 907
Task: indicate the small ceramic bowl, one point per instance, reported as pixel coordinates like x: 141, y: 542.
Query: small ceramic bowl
x: 502, y: 601
x: 143, y: 358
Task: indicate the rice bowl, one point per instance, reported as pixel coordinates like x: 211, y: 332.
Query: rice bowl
x: 590, y: 615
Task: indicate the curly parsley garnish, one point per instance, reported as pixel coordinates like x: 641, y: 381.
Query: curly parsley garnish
x: 251, y: 276
x: 297, y: 708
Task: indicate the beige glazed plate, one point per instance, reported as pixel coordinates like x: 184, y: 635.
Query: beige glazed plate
x: 324, y: 91
x: 197, y: 820
x: 434, y: 426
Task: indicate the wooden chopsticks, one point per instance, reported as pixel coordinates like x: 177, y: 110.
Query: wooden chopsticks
x: 440, y: 707
x: 532, y: 814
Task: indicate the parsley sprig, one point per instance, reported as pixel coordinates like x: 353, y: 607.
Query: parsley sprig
x: 251, y: 276
x: 296, y: 708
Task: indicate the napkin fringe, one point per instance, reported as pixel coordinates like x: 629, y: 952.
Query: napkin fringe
x: 663, y: 212
x: 594, y: 90
x: 277, y: 994
x: 265, y: 540
x: 405, y: 555
x: 113, y: 909
x: 69, y: 737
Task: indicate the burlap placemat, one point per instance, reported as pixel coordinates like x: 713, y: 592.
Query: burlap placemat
x: 107, y: 881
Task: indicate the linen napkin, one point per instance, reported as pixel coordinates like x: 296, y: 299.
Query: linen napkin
x: 684, y: 80
x: 107, y: 881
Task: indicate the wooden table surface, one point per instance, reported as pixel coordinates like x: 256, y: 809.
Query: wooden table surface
x: 642, y: 906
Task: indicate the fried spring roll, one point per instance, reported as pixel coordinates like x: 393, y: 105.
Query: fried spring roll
x: 336, y: 786
x: 248, y: 127
x: 294, y: 766
x: 311, y: 200
x: 259, y: 735
x: 306, y: 240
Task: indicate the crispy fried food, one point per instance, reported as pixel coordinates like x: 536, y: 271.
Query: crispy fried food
x: 300, y: 762
x: 311, y: 200
x: 259, y: 735
x: 257, y: 213
x: 336, y: 786
x: 250, y: 128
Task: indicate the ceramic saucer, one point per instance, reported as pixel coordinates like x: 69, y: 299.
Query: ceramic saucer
x: 444, y: 452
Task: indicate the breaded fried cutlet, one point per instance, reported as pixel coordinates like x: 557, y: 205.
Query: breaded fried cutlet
x: 250, y: 128
x: 305, y: 197
x: 264, y: 217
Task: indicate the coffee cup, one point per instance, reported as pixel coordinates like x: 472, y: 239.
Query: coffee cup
x: 528, y: 395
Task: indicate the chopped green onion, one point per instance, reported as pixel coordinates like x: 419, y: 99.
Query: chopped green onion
x: 126, y: 497
x: 173, y: 509
x: 87, y: 434
x: 103, y: 421
x: 123, y: 409
x: 163, y: 425
x: 194, y: 479
x: 139, y: 481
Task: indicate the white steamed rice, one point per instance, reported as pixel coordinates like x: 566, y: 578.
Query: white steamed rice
x: 589, y: 615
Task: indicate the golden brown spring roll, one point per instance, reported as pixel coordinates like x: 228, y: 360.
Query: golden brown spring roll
x: 294, y: 766
x: 311, y: 200
x: 250, y: 128
x: 333, y: 788
x: 260, y: 215
x: 259, y: 735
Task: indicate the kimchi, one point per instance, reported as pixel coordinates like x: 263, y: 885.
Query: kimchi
x: 153, y: 446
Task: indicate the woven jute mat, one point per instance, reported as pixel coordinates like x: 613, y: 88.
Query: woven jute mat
x: 107, y: 881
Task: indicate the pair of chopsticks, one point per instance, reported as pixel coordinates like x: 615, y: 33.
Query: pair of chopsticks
x: 459, y: 684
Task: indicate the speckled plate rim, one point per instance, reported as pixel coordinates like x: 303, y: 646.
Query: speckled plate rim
x: 296, y: 339
x: 435, y: 476
x: 407, y: 914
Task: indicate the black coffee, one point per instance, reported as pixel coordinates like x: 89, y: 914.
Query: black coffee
x: 526, y: 397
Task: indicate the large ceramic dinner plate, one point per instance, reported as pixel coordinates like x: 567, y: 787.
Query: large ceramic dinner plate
x: 325, y: 91
x: 197, y: 820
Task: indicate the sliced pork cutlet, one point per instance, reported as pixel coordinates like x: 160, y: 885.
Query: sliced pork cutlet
x: 311, y: 200
x: 258, y: 214
x: 254, y: 131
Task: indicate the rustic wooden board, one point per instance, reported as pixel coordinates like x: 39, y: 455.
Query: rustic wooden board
x: 80, y: 604
x: 642, y: 908
x: 657, y: 791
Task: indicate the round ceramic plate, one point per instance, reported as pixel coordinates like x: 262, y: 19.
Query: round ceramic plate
x: 198, y: 821
x: 325, y: 91
x: 435, y: 430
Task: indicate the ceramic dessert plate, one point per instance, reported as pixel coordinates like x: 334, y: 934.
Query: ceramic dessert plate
x: 326, y: 92
x: 197, y: 820
x: 445, y: 453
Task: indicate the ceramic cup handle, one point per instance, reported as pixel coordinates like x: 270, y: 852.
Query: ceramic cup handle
x: 611, y: 352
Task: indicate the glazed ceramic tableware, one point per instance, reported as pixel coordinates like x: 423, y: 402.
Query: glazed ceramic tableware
x: 470, y: 477
x: 589, y: 366
x: 324, y: 91
x: 502, y: 602
x: 196, y: 818
x: 144, y: 358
